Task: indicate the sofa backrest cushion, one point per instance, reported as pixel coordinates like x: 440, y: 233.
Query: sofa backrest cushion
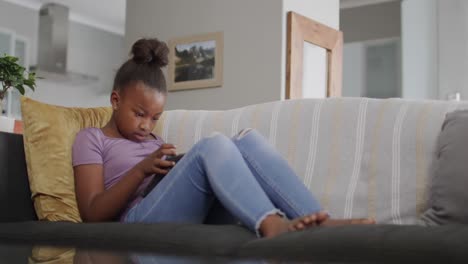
x: 360, y: 157
x: 49, y: 132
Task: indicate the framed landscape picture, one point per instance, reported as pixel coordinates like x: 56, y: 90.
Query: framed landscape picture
x: 195, y: 62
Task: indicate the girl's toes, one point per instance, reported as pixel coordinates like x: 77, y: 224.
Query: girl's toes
x: 310, y: 219
x: 299, y: 226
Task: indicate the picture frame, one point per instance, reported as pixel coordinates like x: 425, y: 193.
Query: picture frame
x: 302, y: 30
x: 196, y: 62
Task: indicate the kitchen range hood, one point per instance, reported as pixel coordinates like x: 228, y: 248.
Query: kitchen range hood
x: 52, y: 47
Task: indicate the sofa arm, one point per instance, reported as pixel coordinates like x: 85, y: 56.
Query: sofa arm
x: 15, y: 195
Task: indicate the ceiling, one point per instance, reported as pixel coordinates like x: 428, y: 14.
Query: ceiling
x: 108, y: 15
x: 357, y: 3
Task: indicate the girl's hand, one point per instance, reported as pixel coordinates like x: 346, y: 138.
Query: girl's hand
x: 154, y: 164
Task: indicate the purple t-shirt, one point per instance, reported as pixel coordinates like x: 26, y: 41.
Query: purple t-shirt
x: 117, y: 156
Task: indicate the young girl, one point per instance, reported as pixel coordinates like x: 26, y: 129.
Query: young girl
x: 113, y: 165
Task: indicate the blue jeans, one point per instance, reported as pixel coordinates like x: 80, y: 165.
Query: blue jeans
x: 245, y: 174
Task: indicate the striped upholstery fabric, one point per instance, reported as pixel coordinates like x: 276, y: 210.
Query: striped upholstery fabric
x: 360, y: 157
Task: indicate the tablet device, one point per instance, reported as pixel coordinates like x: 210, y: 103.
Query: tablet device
x: 158, y: 177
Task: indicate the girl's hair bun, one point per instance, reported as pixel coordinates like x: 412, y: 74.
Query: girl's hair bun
x: 150, y: 51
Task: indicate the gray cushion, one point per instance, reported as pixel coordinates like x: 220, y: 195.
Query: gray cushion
x: 448, y: 195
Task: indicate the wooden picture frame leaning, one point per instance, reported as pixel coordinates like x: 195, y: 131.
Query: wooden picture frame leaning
x: 301, y: 29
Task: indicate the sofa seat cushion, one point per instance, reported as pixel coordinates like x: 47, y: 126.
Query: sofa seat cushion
x: 162, y: 238
x: 345, y: 244
x: 366, y: 244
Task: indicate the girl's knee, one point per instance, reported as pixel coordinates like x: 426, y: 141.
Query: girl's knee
x: 244, y: 132
x: 216, y: 142
x: 250, y: 133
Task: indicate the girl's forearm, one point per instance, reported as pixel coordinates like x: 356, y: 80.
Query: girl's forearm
x: 108, y: 204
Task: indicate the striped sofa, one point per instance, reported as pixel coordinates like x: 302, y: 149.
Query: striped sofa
x: 360, y: 157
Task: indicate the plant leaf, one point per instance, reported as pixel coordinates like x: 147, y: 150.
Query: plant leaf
x: 14, y: 75
x: 20, y: 89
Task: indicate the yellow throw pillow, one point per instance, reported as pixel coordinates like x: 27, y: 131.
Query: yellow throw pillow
x: 49, y: 132
x: 52, y: 255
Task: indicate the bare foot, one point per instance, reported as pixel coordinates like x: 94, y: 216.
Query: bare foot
x: 274, y: 225
x: 355, y: 221
x: 307, y: 221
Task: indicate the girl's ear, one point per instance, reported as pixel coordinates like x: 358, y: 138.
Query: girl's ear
x: 115, y: 100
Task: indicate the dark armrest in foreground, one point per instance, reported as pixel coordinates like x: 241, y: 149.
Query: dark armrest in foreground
x: 15, y: 196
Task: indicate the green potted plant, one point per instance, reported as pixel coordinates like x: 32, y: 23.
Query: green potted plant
x: 13, y: 75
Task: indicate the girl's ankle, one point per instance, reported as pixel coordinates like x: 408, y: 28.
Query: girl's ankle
x: 272, y: 225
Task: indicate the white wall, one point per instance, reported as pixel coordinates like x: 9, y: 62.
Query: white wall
x: 371, y: 22
x: 435, y: 48
x: 23, y: 21
x: 366, y: 28
x: 453, y: 48
x: 91, y: 51
x: 354, y: 69
x: 323, y: 11
x: 254, y: 42
x: 95, y: 52
x: 420, y: 49
x: 252, y: 38
x: 71, y: 95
